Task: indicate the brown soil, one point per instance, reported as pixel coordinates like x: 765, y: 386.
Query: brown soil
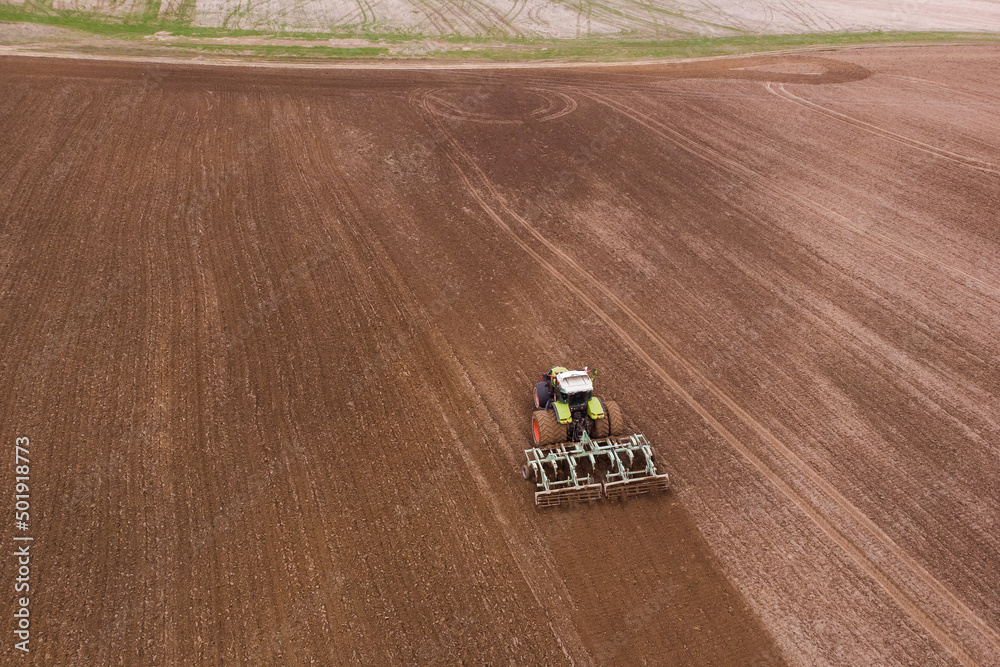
x: 273, y: 334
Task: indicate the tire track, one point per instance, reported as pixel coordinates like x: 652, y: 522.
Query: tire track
x: 831, y: 25
x: 515, y: 11
x: 731, y: 20
x: 471, y: 173
x: 808, y: 24
x: 551, y: 112
x: 458, y: 9
x: 720, y: 161
x: 430, y: 10
x: 964, y: 160
x: 935, y: 84
x: 542, y: 588
x: 556, y: 105
x: 364, y: 14
x: 499, y: 20
x: 373, y: 292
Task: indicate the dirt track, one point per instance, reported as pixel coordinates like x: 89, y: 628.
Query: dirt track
x: 272, y: 337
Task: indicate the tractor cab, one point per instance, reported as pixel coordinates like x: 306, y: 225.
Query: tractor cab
x: 574, y: 388
x: 570, y: 395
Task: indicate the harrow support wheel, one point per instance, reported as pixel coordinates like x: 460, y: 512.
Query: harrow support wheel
x: 546, y: 429
x: 616, y: 421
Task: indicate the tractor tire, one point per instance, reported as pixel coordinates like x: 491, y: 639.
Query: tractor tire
x: 542, y: 396
x: 615, y: 418
x: 546, y: 429
x: 602, y: 426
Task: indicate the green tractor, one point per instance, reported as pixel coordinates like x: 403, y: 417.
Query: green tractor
x: 579, y: 452
x: 566, y: 409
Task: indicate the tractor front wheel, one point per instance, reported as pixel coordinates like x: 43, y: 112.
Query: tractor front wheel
x: 546, y: 429
x: 542, y: 396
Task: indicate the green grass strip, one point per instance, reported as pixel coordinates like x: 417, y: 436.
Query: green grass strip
x: 611, y: 48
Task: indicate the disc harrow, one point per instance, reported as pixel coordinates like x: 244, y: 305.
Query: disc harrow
x: 590, y: 469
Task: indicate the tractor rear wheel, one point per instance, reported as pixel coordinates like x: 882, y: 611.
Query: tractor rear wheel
x: 546, y: 429
x: 615, y: 418
x: 602, y: 426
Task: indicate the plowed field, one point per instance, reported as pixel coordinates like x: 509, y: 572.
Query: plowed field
x: 272, y: 335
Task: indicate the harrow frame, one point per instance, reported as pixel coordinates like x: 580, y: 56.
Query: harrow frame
x: 565, y: 473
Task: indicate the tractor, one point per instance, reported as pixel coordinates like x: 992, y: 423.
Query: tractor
x: 579, y: 452
x: 566, y: 408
